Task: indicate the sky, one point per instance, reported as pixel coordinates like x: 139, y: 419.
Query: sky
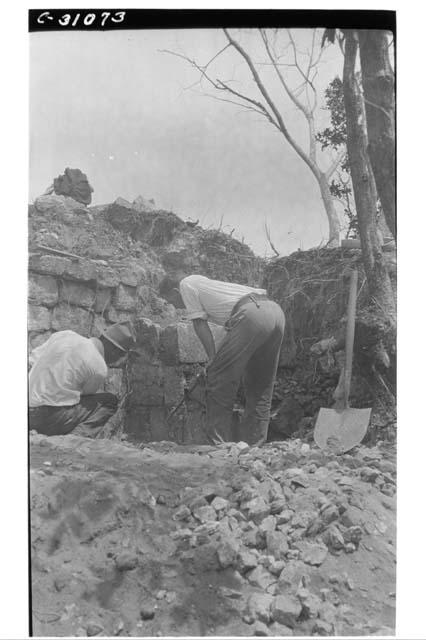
x: 137, y: 122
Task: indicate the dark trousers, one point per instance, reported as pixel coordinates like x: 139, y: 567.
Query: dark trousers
x: 85, y: 418
x: 249, y: 351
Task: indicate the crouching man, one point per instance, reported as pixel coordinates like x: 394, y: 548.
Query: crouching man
x: 250, y: 350
x: 67, y: 373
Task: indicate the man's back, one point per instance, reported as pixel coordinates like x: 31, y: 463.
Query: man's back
x: 61, y: 369
x: 212, y: 300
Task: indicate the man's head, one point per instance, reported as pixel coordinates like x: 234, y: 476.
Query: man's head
x: 118, y: 341
x: 169, y: 289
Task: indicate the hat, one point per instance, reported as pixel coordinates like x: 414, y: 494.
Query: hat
x: 121, y: 335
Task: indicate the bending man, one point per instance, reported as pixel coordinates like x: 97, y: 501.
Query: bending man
x: 250, y: 350
x: 67, y: 373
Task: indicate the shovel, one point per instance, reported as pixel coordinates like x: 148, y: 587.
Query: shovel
x: 342, y: 428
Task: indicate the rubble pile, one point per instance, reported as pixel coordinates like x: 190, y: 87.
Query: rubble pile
x: 276, y: 526
x: 198, y: 540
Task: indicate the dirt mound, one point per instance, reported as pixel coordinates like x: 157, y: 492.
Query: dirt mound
x: 312, y: 287
x: 173, y: 540
x: 156, y: 238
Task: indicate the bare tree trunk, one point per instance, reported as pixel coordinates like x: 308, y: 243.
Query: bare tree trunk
x: 330, y: 209
x: 364, y: 189
x: 379, y: 95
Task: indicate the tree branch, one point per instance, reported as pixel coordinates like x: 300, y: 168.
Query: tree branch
x: 290, y: 94
x: 302, y: 73
x: 220, y: 85
x: 247, y: 107
x: 307, y: 111
x: 268, y: 236
x: 271, y: 104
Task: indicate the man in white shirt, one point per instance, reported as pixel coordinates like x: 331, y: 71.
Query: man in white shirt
x: 250, y: 350
x: 67, y: 375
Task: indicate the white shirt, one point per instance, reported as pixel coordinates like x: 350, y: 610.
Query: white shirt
x: 66, y: 366
x: 212, y: 300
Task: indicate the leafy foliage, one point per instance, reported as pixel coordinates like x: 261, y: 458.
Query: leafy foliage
x: 334, y: 137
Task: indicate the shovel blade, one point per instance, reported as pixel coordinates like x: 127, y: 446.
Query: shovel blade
x: 340, y: 431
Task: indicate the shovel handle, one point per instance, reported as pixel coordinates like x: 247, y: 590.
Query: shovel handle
x: 350, y: 334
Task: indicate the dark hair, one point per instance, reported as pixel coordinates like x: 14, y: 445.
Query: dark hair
x: 167, y: 284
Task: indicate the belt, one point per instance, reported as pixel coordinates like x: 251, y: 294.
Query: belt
x: 250, y: 297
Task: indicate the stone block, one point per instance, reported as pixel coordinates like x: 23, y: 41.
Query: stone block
x: 103, y: 299
x: 122, y: 202
x: 142, y: 204
x: 159, y: 426
x: 48, y: 203
x: 57, y: 204
x: 180, y: 344
x: 143, y: 293
x: 174, y: 385
x: 37, y: 339
x: 125, y: 298
x: 147, y: 336
x: 191, y: 427
x: 132, y: 275
x: 146, y: 384
x: 48, y: 264
x: 106, y: 277
x: 39, y: 318
x: 42, y: 290
x: 78, y: 294
x: 82, y: 269
x: 99, y: 325
x: 115, y: 382
x: 145, y: 371
x: 114, y: 315
x: 75, y: 318
x: 138, y: 423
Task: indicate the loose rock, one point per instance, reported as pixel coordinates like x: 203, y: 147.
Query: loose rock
x: 313, y: 554
x: 259, y: 606
x: 147, y: 611
x: 93, y: 629
x: 126, y: 561
x: 286, y: 610
x: 276, y: 544
x: 246, y: 561
x: 257, y: 509
x: 260, y: 577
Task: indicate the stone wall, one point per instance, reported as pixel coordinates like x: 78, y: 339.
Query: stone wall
x: 87, y: 295
x: 169, y: 359
x: 92, y: 266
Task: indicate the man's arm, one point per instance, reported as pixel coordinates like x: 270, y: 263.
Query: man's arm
x: 203, y: 331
